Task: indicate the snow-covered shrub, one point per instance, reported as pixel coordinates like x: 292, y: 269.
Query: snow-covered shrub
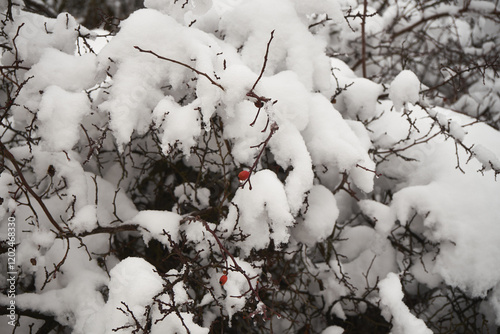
x: 122, y: 162
x: 451, y: 45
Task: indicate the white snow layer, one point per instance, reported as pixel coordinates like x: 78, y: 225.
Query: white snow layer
x: 456, y: 207
x: 60, y: 114
x: 141, y: 90
x: 404, y: 88
x: 264, y: 208
x: 133, y: 284
x: 160, y: 225
x: 391, y: 297
x: 320, y: 215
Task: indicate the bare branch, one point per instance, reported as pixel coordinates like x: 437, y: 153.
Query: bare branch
x: 8, y: 155
x: 182, y: 64
x: 265, y: 62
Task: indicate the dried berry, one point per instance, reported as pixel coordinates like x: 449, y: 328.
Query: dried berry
x: 51, y: 171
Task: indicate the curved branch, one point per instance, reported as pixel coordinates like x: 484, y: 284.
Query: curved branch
x: 6, y: 153
x: 265, y: 62
x: 182, y: 64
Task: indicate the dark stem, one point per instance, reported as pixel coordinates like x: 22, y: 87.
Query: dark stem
x: 8, y: 155
x: 182, y: 64
x: 363, y: 38
x: 265, y: 62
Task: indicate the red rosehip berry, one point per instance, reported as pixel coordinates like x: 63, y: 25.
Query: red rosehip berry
x: 223, y: 279
x: 243, y: 175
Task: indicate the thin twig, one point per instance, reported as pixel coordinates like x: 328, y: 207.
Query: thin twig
x: 265, y: 62
x: 12, y: 159
x: 182, y: 64
x: 363, y: 38
x: 369, y: 170
x: 274, y: 128
x: 237, y: 267
x: 9, y: 10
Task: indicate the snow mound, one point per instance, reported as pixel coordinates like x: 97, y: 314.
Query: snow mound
x: 404, y: 89
x: 391, y: 297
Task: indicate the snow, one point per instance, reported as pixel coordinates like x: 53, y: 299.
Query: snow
x: 139, y: 78
x: 404, y: 89
x: 451, y: 127
x: 6, y: 183
x: 487, y: 157
x: 367, y: 256
x: 85, y: 219
x: 172, y: 323
x: 320, y: 215
x: 125, y: 290
x: 60, y: 114
x: 245, y: 137
x: 359, y: 100
x: 332, y: 143
x: 380, y: 213
x: 449, y: 201
x: 289, y: 149
x: 196, y: 232
x: 180, y: 10
x: 344, y: 175
x: 391, y: 296
x: 236, y: 287
x: 70, y: 75
x: 188, y: 193
x: 71, y: 296
x: 264, y: 208
x: 37, y: 33
x: 425, y: 271
x: 181, y: 125
x: 330, y: 8
x: 333, y: 330
x: 293, y: 46
x: 160, y: 225
x: 71, y: 72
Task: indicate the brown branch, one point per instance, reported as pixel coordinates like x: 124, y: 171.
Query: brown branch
x: 320, y: 22
x: 274, y: 128
x: 15, y: 67
x: 265, y: 62
x: 369, y: 170
x: 422, y: 21
x: 57, y: 267
x: 237, y: 267
x: 346, y: 186
x: 9, y: 10
x: 182, y: 64
x: 8, y: 155
x: 458, y: 73
x: 106, y: 229
x: 363, y: 38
